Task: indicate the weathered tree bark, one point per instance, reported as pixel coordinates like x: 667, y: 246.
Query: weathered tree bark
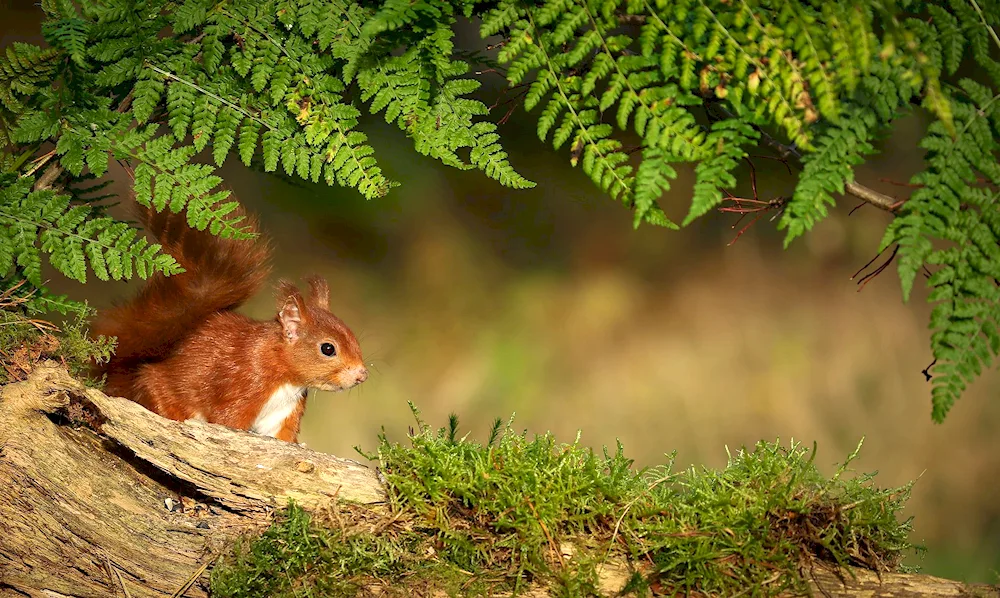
x: 97, y: 493
x: 99, y: 496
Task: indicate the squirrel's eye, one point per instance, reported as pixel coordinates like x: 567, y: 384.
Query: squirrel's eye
x: 328, y: 349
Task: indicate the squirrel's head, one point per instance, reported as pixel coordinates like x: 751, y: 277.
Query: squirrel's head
x: 322, y: 349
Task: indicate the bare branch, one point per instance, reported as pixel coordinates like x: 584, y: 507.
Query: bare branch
x: 879, y: 200
x: 866, y: 194
x: 49, y: 177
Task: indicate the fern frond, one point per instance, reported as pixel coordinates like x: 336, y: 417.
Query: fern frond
x: 727, y: 140
x: 180, y: 106
x: 165, y: 177
x: 36, y: 222
x: 24, y: 71
x: 227, y: 122
x: 632, y: 90
x: 203, y: 119
x: 827, y: 169
x: 70, y: 35
x: 954, y: 205
x: 652, y: 180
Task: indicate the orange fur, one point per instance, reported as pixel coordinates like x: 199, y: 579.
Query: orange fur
x: 185, y: 354
x: 289, y: 431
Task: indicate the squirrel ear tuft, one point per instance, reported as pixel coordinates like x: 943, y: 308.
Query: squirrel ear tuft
x: 290, y: 312
x: 319, y: 292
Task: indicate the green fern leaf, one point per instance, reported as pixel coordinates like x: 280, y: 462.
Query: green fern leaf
x: 226, y: 124
x: 180, y: 107
x: 70, y: 147
x: 651, y: 182
x: 205, y: 112
x: 147, y: 94
x: 69, y: 35
x: 249, y: 134
x: 714, y: 173
x: 271, y: 146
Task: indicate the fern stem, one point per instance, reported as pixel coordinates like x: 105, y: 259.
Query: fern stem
x: 39, y: 162
x: 569, y: 105
x: 982, y: 17
x: 760, y: 66
x: 218, y: 98
x: 250, y: 25
x: 639, y: 97
x: 653, y: 13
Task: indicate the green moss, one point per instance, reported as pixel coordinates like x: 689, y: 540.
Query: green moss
x: 474, y: 519
x: 24, y: 341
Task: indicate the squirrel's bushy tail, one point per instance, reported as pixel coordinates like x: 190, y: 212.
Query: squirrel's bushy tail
x: 219, y: 274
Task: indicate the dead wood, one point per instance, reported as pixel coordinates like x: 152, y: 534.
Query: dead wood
x: 100, y: 496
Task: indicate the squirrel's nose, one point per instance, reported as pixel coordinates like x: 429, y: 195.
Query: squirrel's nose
x: 361, y: 376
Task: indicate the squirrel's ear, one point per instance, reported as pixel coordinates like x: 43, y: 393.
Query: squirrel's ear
x: 289, y: 310
x: 319, y: 292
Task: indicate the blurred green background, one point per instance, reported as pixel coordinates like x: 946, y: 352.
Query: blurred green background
x: 474, y: 299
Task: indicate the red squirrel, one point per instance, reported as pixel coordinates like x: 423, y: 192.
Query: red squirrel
x: 184, y: 353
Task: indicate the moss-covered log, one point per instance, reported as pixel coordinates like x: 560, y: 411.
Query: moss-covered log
x: 101, y: 497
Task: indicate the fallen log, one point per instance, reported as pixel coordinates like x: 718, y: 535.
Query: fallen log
x: 101, y: 497
x: 99, y: 493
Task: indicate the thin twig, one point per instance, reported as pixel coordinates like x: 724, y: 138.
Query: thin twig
x: 867, y: 194
x: 900, y: 183
x: 863, y: 268
x: 927, y: 370
x: 744, y: 206
x: 781, y: 159
x: 40, y: 161
x: 871, y: 275
x: 9, y: 300
x: 118, y: 575
x: 194, y: 577
x: 857, y: 207
x: 493, y: 70
x: 545, y: 530
x: 879, y: 200
x: 49, y: 177
x: 506, y: 117
x: 40, y: 325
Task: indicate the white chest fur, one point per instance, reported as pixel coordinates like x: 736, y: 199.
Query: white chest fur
x: 277, y: 409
